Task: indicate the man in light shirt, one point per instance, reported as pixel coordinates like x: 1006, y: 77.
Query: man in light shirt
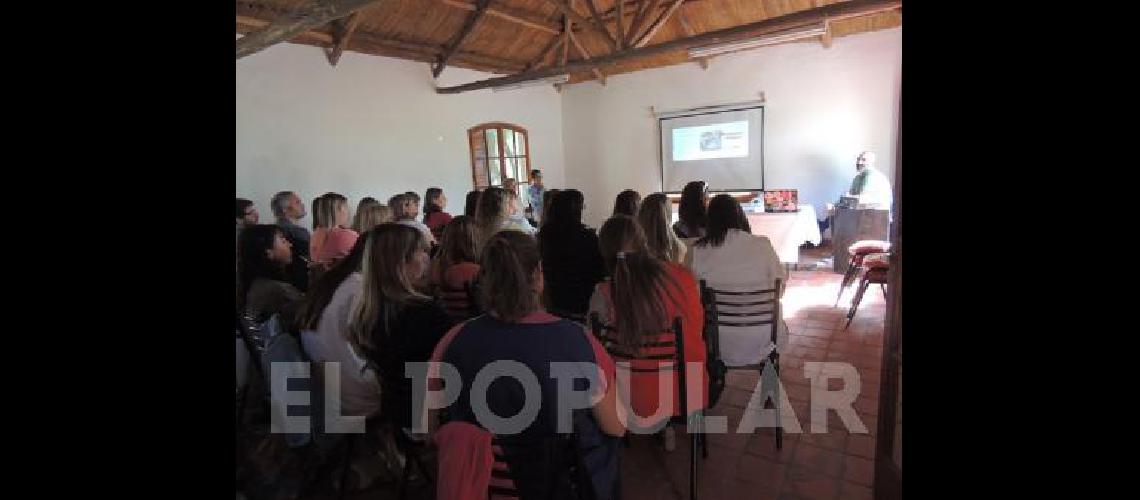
x: 870, y: 185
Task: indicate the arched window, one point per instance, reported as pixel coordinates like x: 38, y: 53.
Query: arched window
x: 499, y: 151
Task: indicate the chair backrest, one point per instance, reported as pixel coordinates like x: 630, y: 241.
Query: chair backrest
x: 552, y: 467
x: 670, y: 345
x: 459, y: 303
x: 739, y: 308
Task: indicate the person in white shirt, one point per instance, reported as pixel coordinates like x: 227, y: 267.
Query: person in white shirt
x: 730, y: 258
x: 870, y: 185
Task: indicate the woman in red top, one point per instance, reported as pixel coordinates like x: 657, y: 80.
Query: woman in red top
x: 641, y: 299
x: 331, y: 240
x: 457, y: 262
x: 434, y: 216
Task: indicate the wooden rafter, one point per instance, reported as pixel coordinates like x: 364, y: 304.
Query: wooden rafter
x: 661, y: 20
x: 565, y: 39
x: 369, y: 43
x: 341, y: 33
x: 586, y: 56
x: 530, y: 20
x: 598, y: 20
x: 836, y: 11
x: 620, y: 21
x: 639, y: 22
x: 575, y: 17
x: 555, y: 42
x: 689, y: 31
x: 318, y: 13
x: 468, y: 26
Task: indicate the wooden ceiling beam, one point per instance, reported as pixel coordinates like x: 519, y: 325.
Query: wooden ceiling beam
x: 639, y: 20
x: 661, y: 20
x: 370, y: 43
x: 689, y: 31
x: 842, y: 10
x: 554, y: 43
x: 575, y: 17
x: 342, y: 32
x: 620, y: 20
x: 318, y: 13
x: 598, y: 21
x: 586, y: 56
x: 468, y: 27
x: 530, y: 20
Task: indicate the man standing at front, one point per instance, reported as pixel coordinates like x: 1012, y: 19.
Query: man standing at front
x: 870, y: 185
x: 534, y: 193
x: 288, y: 208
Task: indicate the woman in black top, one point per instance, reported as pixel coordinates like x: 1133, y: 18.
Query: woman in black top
x: 396, y: 324
x: 263, y: 287
x: 571, y: 261
x: 693, y: 221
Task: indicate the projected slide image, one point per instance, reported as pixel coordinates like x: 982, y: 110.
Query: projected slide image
x: 704, y: 142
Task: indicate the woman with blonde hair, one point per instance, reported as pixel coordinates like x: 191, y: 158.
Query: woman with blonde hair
x: 393, y: 323
x: 370, y: 216
x: 653, y: 217
x: 494, y: 214
x: 361, y: 207
x: 331, y: 240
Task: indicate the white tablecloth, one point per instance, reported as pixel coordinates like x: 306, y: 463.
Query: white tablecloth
x: 787, y: 231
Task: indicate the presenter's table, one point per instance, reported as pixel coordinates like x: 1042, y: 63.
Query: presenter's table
x: 787, y: 231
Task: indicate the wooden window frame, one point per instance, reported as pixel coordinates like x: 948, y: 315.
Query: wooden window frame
x: 502, y: 156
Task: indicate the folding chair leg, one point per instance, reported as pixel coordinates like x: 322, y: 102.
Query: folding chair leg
x: 848, y: 277
x: 855, y: 303
x: 704, y: 439
x: 692, y: 463
x: 884, y: 289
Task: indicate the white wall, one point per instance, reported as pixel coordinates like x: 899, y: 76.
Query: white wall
x: 371, y: 126
x: 823, y: 107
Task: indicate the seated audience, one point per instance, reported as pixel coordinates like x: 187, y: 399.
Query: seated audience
x: 641, y: 299
x: 371, y: 216
x: 692, y: 222
x: 405, y: 209
x: 246, y: 214
x: 571, y: 261
x: 626, y: 203
x: 653, y: 217
x: 516, y: 328
x: 265, y: 289
x: 730, y: 257
x: 458, y: 261
x: 471, y: 203
x: 331, y: 241
x: 362, y: 208
x: 322, y: 319
x: 547, y: 196
x: 434, y: 216
x: 289, y: 209
x: 395, y: 323
x: 493, y: 214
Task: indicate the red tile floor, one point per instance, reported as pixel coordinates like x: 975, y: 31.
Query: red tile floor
x: 833, y: 465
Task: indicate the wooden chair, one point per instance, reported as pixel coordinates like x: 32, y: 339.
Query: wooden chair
x: 669, y: 346
x: 746, y: 309
x: 876, y: 267
x: 859, y: 250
